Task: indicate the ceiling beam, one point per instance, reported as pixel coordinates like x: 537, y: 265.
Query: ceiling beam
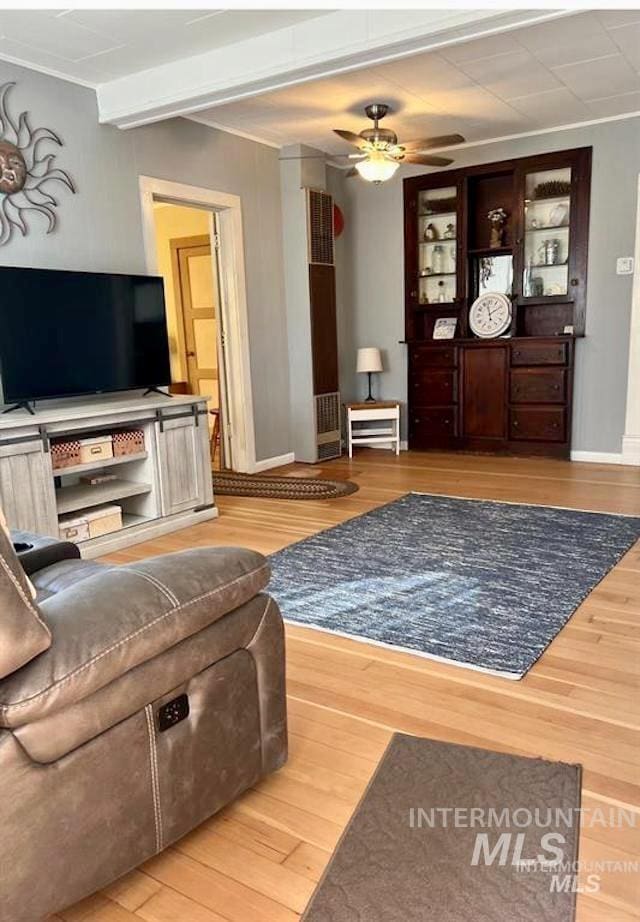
x: 331, y: 44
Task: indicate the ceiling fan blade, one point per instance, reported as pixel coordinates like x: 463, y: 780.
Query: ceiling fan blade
x: 426, y: 159
x: 352, y: 138
x: 445, y: 140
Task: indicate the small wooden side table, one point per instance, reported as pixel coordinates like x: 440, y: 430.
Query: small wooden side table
x: 385, y: 412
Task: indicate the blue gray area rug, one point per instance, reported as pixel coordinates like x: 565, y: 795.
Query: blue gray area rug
x: 481, y: 584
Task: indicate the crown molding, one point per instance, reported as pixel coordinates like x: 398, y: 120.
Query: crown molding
x: 47, y: 71
x: 235, y: 131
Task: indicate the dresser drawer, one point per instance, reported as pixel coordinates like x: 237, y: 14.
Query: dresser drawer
x: 433, y: 387
x: 430, y: 356
x: 430, y: 425
x: 538, y: 385
x: 537, y: 424
x: 539, y: 353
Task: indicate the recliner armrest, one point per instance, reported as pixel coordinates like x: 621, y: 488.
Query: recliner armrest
x: 43, y: 551
x: 111, y: 622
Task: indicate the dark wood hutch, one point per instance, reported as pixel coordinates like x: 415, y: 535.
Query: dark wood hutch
x: 512, y: 393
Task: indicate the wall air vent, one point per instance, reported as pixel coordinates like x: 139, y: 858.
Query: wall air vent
x: 328, y: 426
x: 320, y: 218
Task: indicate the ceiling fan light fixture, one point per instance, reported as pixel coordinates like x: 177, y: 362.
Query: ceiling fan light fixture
x: 377, y: 168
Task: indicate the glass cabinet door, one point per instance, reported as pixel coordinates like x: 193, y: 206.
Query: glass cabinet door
x: 437, y: 246
x: 547, y: 214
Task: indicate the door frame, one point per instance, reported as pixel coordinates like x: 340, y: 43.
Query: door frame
x: 631, y: 438
x: 225, y: 209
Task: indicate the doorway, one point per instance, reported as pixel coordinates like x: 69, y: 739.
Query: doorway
x: 187, y: 260
x: 202, y: 261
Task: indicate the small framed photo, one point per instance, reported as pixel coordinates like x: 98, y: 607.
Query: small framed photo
x: 445, y: 328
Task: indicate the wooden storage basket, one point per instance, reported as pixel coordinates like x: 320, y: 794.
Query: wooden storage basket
x: 128, y: 442
x: 65, y: 454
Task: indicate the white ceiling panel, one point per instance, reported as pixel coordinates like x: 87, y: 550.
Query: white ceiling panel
x: 612, y: 18
x: 555, y: 107
x: 601, y: 77
x: 131, y: 26
x: 614, y: 105
x: 122, y: 42
x: 65, y: 40
x: 482, y: 48
x: 627, y: 39
x: 513, y: 74
x: 425, y: 73
x: 573, y: 47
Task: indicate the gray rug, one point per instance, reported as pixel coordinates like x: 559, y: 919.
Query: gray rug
x: 481, y: 584
x: 397, y: 864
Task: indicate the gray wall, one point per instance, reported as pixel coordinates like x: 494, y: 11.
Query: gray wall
x: 100, y: 227
x: 371, y: 281
x: 301, y: 167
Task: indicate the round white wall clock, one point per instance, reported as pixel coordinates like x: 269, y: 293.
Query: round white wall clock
x: 490, y: 315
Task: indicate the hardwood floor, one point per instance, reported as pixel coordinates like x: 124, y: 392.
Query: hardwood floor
x: 259, y: 859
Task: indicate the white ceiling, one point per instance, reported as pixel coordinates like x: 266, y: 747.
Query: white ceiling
x: 95, y: 46
x: 573, y: 69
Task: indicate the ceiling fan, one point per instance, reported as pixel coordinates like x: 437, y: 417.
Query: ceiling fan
x: 381, y: 155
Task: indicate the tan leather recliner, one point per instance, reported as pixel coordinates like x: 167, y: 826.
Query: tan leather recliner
x: 135, y: 702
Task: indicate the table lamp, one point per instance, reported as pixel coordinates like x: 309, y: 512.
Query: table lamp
x: 369, y: 361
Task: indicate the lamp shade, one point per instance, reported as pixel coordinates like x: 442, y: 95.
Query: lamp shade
x: 369, y: 359
x: 377, y: 167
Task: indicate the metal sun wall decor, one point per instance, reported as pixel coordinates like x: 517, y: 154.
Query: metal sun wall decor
x: 23, y: 174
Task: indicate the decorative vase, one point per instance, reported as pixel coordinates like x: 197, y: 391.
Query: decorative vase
x: 497, y: 235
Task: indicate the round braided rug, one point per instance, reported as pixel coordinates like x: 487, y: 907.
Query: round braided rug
x: 230, y: 484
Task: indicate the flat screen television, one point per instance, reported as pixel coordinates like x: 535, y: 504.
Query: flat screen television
x: 66, y: 334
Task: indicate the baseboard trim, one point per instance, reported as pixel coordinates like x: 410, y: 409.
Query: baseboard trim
x: 631, y: 449
x: 598, y: 457
x: 278, y: 461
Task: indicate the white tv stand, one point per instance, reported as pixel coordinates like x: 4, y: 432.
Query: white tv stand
x: 163, y: 489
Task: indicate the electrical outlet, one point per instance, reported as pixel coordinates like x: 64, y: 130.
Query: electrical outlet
x: 624, y: 265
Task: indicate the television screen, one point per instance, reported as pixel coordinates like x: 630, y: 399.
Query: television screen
x: 69, y: 333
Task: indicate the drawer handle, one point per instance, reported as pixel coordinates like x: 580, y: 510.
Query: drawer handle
x: 96, y: 450
x: 515, y: 424
x: 416, y: 420
x: 447, y: 421
x: 574, y: 283
x: 556, y: 387
x: 517, y: 353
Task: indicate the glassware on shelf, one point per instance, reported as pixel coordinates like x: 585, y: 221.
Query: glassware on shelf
x: 547, y: 208
x: 437, y: 260
x: 437, y: 223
